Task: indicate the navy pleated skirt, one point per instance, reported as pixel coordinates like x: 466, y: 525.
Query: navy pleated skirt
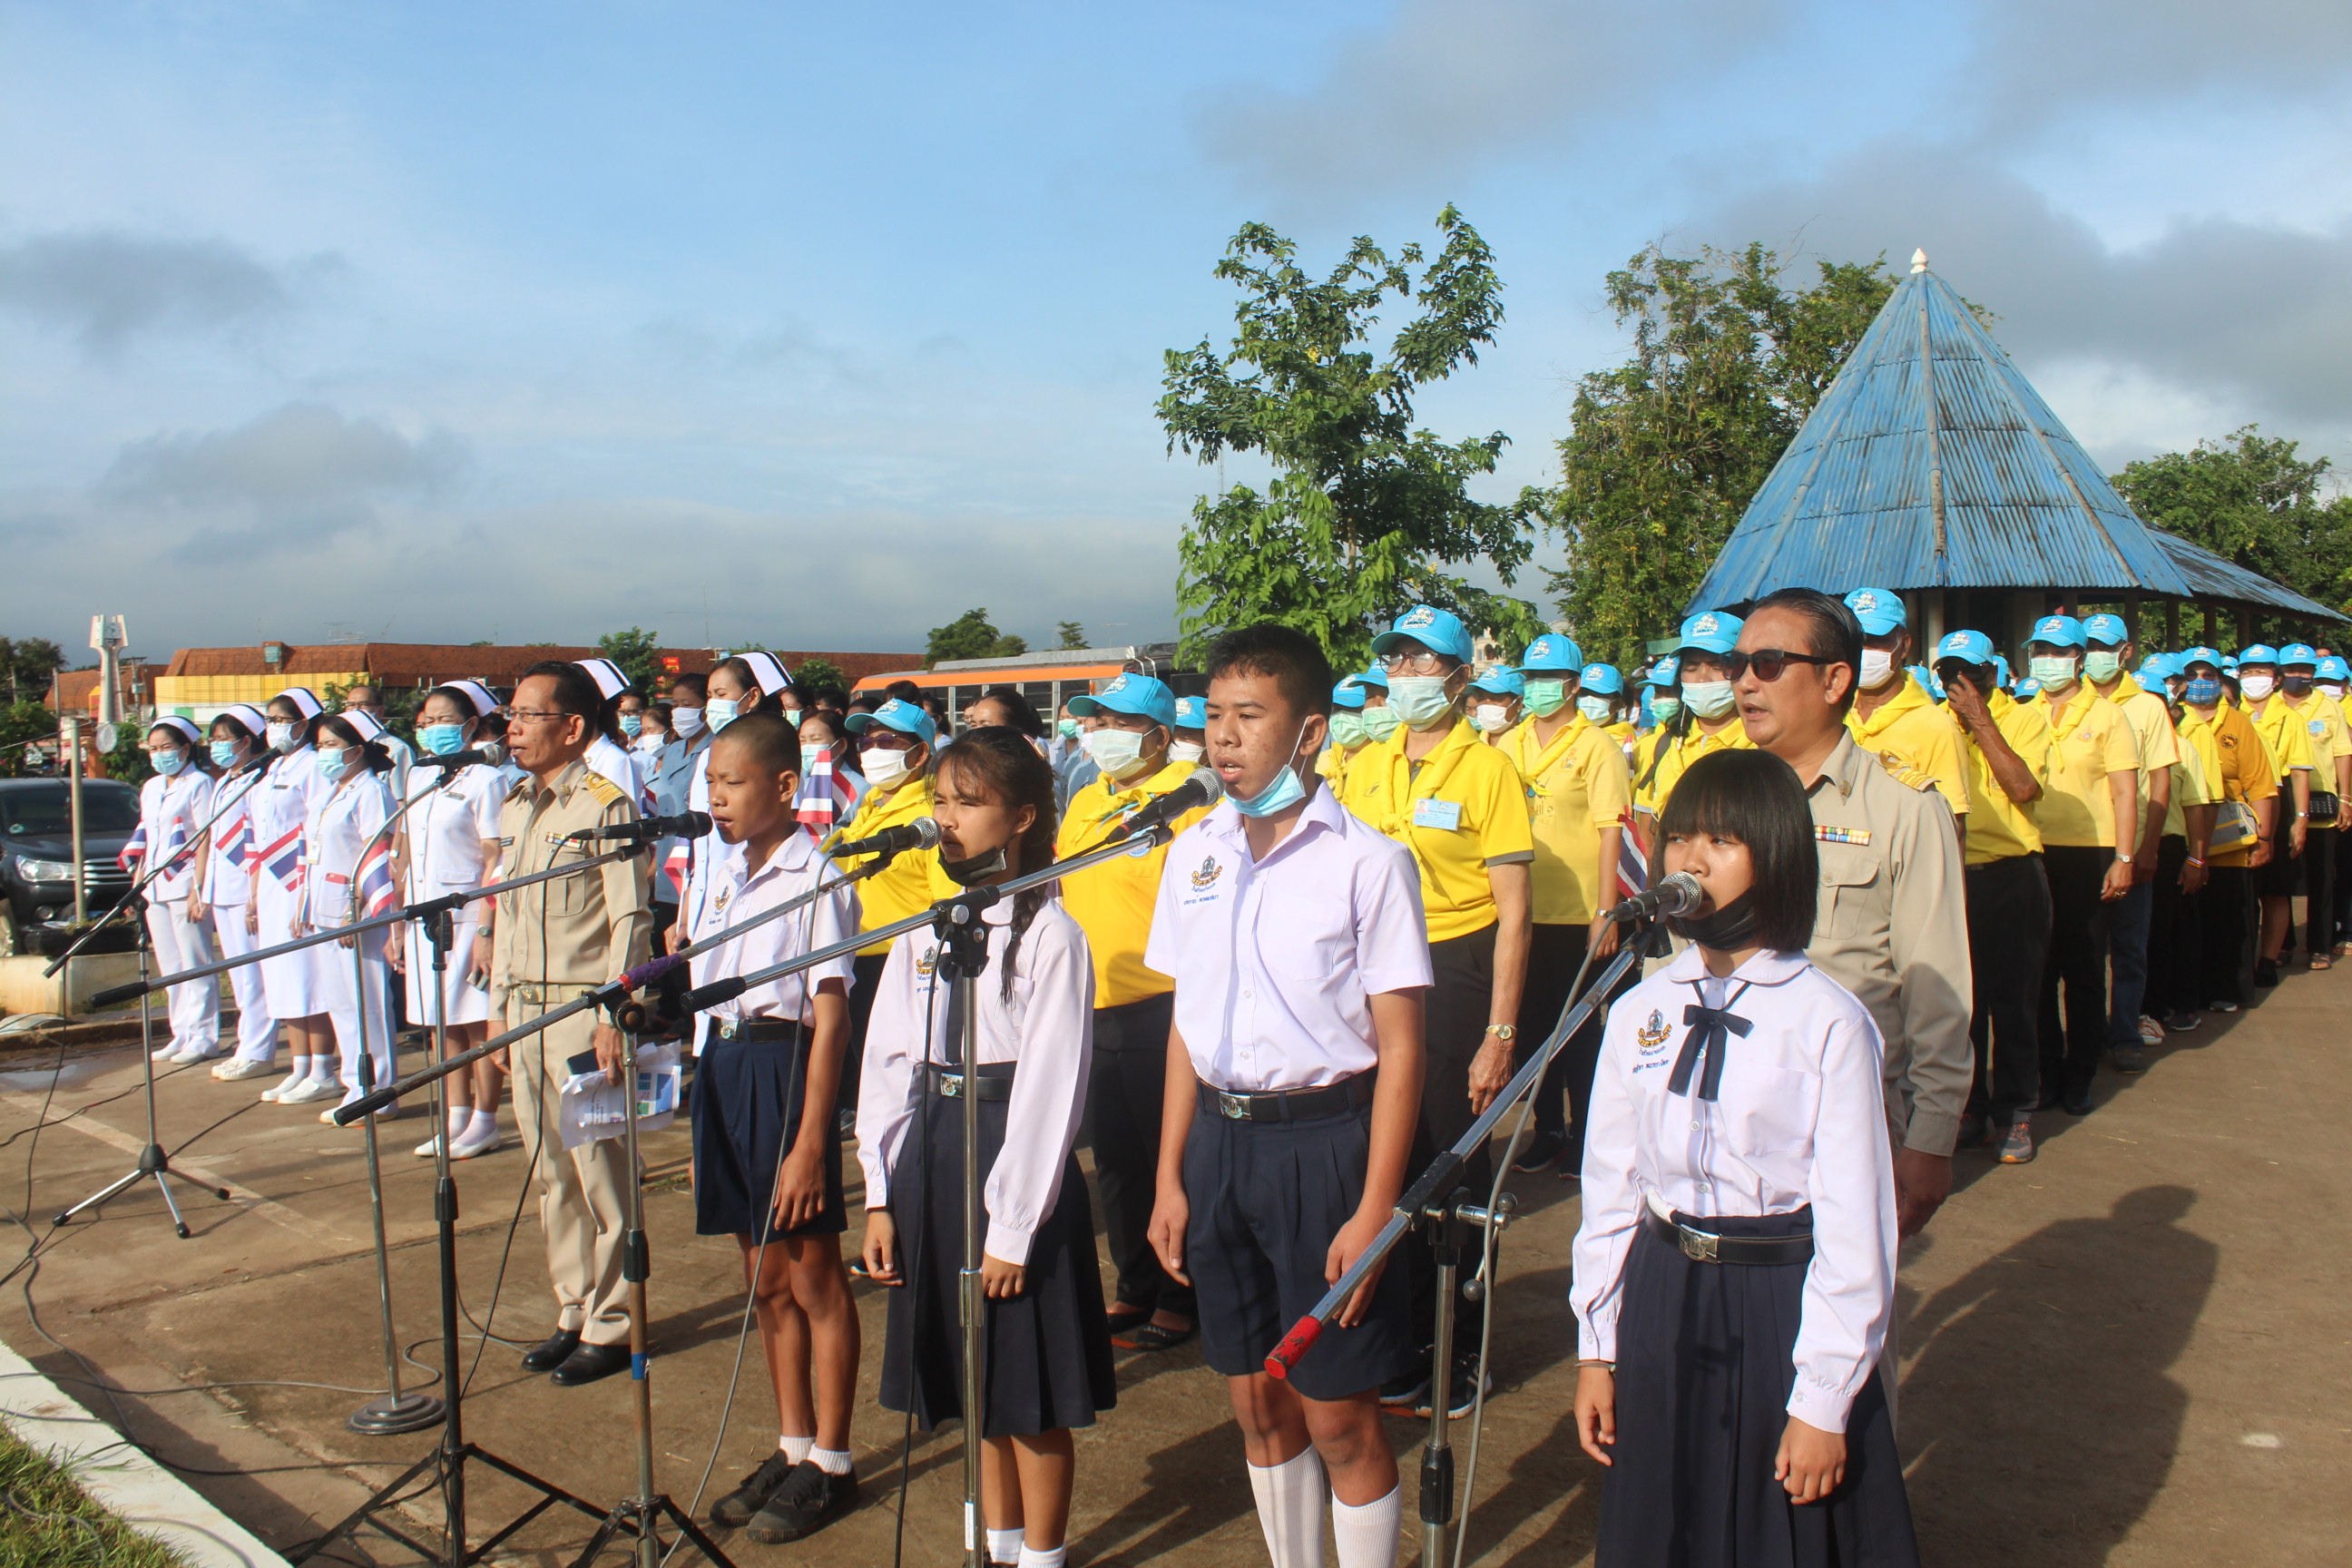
x: 1046, y: 1355
x: 1702, y: 1381
x: 747, y: 1095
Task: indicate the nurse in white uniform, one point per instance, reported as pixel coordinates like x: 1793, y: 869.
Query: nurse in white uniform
x: 347, y: 877
x: 174, y: 808
x: 295, y: 983
x: 609, y: 755
x: 224, y: 865
x: 448, y: 842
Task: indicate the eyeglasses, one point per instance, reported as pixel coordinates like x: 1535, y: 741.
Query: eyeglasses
x: 1769, y: 663
x: 1422, y: 663
x: 535, y: 716
x: 885, y: 741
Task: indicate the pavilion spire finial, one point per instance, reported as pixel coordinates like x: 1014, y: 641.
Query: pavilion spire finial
x: 1919, y: 260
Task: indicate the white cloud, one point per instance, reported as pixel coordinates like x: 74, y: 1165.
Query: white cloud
x: 107, y: 287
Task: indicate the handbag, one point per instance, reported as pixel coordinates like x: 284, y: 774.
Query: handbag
x: 2324, y: 808
x: 2234, y: 828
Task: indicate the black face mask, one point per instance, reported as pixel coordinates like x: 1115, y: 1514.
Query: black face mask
x: 972, y: 872
x: 1725, y: 929
x: 2294, y: 684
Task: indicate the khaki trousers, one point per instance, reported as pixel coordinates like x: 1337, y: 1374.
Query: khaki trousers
x: 583, y: 1194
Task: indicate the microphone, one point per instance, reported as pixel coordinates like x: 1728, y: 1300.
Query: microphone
x: 684, y: 824
x: 920, y: 833
x: 1191, y: 794
x: 1676, y: 895
x: 488, y: 751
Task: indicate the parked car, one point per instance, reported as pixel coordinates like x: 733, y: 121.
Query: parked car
x: 37, y: 862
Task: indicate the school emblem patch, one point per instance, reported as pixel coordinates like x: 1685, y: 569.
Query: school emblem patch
x: 1650, y: 1037
x: 1206, y: 876
x: 719, y: 904
x: 927, y: 963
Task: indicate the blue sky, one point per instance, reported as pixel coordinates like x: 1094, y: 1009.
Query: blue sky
x: 816, y: 326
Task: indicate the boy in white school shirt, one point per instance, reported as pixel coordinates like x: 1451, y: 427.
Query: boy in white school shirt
x: 1294, y: 932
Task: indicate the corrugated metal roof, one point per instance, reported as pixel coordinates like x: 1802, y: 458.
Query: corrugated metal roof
x: 2215, y: 577
x: 1931, y: 462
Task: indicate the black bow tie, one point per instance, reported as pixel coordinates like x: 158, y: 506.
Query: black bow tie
x: 1709, y: 1028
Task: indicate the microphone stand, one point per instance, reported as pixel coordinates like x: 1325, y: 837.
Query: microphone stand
x: 152, y: 1161
x: 1449, y: 1220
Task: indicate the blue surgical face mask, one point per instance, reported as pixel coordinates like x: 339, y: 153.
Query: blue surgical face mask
x: 2102, y: 665
x: 330, y: 764
x: 223, y: 754
x: 1066, y: 728
x: 2203, y: 690
x: 719, y: 712
x: 631, y: 723
x: 1287, y: 789
x: 2051, y: 669
x: 168, y: 763
x: 1708, y: 699
x: 811, y: 756
x: 441, y: 740
x: 1596, y: 710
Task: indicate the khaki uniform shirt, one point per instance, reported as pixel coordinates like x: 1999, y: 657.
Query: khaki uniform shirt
x: 1893, y: 929
x: 555, y: 936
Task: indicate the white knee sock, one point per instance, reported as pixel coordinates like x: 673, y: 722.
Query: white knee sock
x: 1290, y: 1510
x: 1052, y: 1557
x: 795, y: 1449
x: 1004, y: 1546
x: 1366, y: 1536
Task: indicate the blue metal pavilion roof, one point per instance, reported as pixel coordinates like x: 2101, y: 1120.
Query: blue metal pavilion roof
x: 2216, y: 577
x: 1931, y: 462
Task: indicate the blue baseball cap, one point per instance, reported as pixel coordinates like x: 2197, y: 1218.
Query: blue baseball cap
x: 2199, y: 655
x: 2107, y: 629
x: 898, y: 714
x: 1927, y: 679
x: 2029, y: 687
x: 1191, y: 714
x: 2159, y: 665
x: 1663, y: 672
x: 1347, y: 694
x: 2001, y: 672
x: 1552, y: 652
x: 2333, y: 669
x: 1138, y: 694
x: 1711, y: 631
x: 1375, y: 676
x: 2151, y: 680
x: 2058, y: 631
x: 1968, y: 648
x: 2230, y: 663
x: 1602, y: 679
x: 1501, y: 681
x: 2299, y: 653
x: 2261, y: 653
x: 1879, y: 611
x: 1439, y: 631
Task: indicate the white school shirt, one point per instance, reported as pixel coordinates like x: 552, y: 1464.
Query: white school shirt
x: 1275, y: 960
x: 174, y: 811
x: 738, y: 893
x: 1047, y: 1025
x: 337, y: 830
x: 452, y: 830
x: 1800, y: 1119
x: 228, y: 884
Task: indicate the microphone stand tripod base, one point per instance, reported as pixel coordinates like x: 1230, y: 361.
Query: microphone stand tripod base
x: 389, y: 1416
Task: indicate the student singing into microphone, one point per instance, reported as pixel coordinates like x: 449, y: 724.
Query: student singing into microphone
x: 767, y: 1165
x: 1735, y: 1266
x: 1045, y: 1346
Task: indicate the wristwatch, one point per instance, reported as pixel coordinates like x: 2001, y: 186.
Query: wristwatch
x: 1506, y: 1033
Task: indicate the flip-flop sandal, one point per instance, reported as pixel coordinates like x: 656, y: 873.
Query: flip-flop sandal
x: 1151, y: 1336
x: 2321, y: 960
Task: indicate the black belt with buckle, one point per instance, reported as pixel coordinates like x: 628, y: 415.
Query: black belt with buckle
x: 994, y: 1082
x: 1290, y: 1104
x: 760, y: 1031
x: 1706, y: 1246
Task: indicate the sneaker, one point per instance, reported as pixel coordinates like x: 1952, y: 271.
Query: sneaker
x: 809, y: 1499
x: 1408, y: 1387
x: 189, y: 1055
x: 1542, y: 1150
x: 2221, y: 1007
x: 1464, y: 1391
x: 735, y: 1510
x: 169, y: 1050
x: 2182, y: 1022
x: 2267, y: 971
x: 2017, y: 1143
x: 2150, y: 1031
x: 238, y: 1068
x: 2129, y: 1059
x: 309, y: 1091
x: 2077, y: 1101
x: 468, y: 1144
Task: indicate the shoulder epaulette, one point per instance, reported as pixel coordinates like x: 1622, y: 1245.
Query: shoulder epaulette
x: 521, y: 789
x: 1905, y: 774
x: 605, y: 791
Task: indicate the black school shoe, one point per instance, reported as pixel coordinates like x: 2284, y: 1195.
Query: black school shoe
x: 551, y: 1352
x: 809, y: 1499
x: 2267, y: 971
x: 591, y: 1363
x: 735, y: 1510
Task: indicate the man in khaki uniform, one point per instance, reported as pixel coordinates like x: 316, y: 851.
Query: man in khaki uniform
x: 553, y: 942
x: 1892, y: 924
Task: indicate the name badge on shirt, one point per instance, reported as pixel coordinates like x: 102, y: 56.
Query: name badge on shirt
x: 1445, y: 816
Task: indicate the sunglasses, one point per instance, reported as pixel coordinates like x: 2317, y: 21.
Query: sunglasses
x: 1769, y: 663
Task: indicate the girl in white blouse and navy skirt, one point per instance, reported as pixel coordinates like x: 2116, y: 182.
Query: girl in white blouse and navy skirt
x: 1735, y: 1268
x: 1046, y: 1342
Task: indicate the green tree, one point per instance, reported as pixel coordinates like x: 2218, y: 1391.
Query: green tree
x: 19, y: 723
x: 1664, y: 451
x: 29, y: 665
x: 815, y: 672
x: 2249, y: 498
x: 970, y: 635
x: 635, y: 652
x: 1072, y: 633
x: 1363, y: 508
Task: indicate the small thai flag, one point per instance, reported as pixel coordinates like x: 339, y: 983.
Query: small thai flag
x: 238, y: 848
x: 678, y: 865
x: 828, y: 796
x: 283, y: 859
x: 133, y: 850
x: 1633, y: 857
x: 376, y: 889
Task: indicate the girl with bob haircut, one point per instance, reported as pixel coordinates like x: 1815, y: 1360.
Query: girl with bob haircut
x: 1047, y: 1341
x: 1735, y: 1268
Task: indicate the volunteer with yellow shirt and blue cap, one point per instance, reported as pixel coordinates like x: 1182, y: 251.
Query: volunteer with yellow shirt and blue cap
x: 1893, y: 714
x: 2295, y: 755
x: 2107, y: 649
x: 2333, y: 679
x: 1578, y: 788
x: 1494, y: 702
x: 2331, y: 774
x: 1600, y: 697
x: 1460, y: 807
x: 1191, y: 742
x: 1708, y: 717
x: 1135, y: 718
x: 1347, y: 733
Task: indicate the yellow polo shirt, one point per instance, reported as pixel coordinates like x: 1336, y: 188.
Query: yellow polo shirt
x: 2090, y: 738
x: 1112, y: 902
x: 1623, y: 733
x: 2195, y: 774
x: 910, y: 884
x: 2238, y: 765
x: 1910, y: 728
x: 1461, y: 810
x: 1677, y: 756
x: 1999, y: 828
x: 2323, y: 721
x: 2287, y: 735
x: 2152, y: 737
x: 1576, y: 786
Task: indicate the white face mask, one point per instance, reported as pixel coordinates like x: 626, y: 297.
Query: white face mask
x: 722, y: 711
x: 282, y: 735
x: 1186, y: 752
x: 2332, y: 688
x: 1491, y: 718
x: 1708, y: 699
x: 686, y: 722
x: 1877, y: 665
x: 2257, y: 687
x: 1117, y: 752
x: 1595, y: 708
x: 884, y: 768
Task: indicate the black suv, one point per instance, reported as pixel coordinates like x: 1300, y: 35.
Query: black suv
x: 37, y: 861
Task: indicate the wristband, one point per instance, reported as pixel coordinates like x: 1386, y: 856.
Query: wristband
x: 2196, y: 861
x: 1608, y: 1366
